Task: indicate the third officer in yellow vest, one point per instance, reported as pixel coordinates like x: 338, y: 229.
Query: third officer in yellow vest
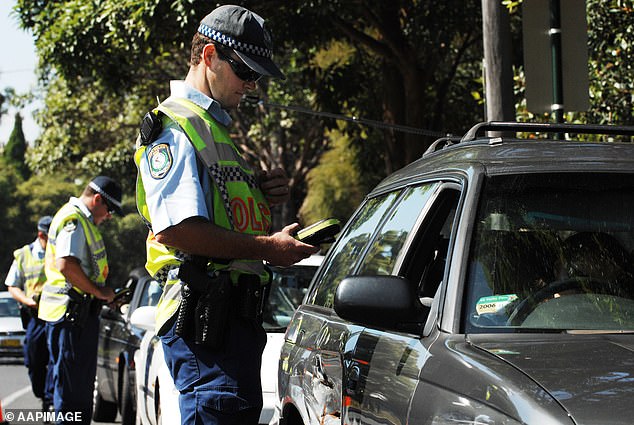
x: 210, y: 222
x: 76, y: 270
x: 24, y: 281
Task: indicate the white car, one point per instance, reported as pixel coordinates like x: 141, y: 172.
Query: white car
x: 157, y: 397
x: 11, y: 331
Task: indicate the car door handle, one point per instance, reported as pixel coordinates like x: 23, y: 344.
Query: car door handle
x: 320, y: 373
x: 352, y: 384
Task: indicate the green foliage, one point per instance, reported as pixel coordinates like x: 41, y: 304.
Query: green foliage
x: 44, y: 195
x: 611, y: 48
x: 22, y: 203
x: 114, y: 41
x: 88, y: 131
x: 335, y: 184
x: 16, y: 147
x: 125, y: 245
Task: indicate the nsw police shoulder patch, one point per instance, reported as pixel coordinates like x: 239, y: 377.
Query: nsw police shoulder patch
x: 70, y: 225
x: 159, y: 160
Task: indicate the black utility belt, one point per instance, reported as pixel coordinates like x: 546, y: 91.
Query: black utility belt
x: 80, y: 307
x: 209, y: 303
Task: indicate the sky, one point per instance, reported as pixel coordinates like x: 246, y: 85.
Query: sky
x: 17, y: 70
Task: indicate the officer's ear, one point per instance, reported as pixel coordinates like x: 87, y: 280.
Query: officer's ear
x: 209, y: 51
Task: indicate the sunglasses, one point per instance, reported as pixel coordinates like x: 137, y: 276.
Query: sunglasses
x: 241, y: 70
x: 109, y: 206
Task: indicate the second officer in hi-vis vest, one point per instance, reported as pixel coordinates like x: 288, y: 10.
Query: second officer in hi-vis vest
x: 24, y: 281
x: 76, y: 270
x: 209, y: 218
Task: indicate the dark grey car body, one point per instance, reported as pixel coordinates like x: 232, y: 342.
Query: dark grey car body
x: 118, y: 341
x: 423, y: 312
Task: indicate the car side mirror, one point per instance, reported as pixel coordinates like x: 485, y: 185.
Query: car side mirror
x: 144, y: 318
x: 387, y: 302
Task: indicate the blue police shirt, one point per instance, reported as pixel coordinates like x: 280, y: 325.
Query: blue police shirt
x: 178, y: 187
x: 71, y: 241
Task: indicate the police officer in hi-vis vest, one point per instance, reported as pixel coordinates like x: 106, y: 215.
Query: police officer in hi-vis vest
x: 24, y: 281
x: 76, y: 270
x: 209, y: 218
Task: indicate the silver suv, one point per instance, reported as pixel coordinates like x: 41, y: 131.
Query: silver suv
x: 489, y: 282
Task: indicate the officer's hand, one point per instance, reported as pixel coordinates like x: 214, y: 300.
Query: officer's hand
x: 105, y: 293
x: 274, y: 185
x: 286, y: 250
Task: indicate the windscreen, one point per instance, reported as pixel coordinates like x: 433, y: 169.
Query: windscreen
x: 552, y: 252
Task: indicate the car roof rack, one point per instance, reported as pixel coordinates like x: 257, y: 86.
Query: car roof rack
x: 479, y: 129
x: 442, y: 143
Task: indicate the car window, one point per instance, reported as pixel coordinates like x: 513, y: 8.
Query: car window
x: 9, y: 307
x: 553, y: 251
x: 349, y: 247
x: 288, y: 288
x: 386, y: 247
x: 427, y: 258
x: 151, y: 293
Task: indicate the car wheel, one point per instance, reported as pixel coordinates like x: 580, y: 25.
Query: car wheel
x: 103, y: 411
x: 128, y: 405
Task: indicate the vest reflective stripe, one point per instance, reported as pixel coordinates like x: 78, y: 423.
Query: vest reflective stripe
x: 168, y: 303
x: 31, y: 268
x: 54, y: 299
x: 220, y: 155
x: 235, y: 183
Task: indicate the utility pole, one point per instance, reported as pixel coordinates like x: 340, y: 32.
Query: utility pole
x: 555, y: 49
x: 498, y: 71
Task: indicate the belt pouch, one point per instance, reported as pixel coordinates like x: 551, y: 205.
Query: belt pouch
x: 212, y: 312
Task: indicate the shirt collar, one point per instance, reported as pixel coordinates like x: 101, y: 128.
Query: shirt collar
x: 180, y: 88
x: 36, y: 247
x: 84, y: 209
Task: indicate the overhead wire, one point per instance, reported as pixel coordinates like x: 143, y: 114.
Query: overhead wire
x: 340, y: 117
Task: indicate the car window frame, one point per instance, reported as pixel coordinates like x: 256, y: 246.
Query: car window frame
x: 317, y: 279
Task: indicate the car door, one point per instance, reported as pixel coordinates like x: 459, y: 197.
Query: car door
x: 112, y: 341
x: 311, y: 360
x: 384, y: 367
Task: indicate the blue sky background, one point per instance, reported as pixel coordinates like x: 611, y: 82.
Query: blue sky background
x: 17, y: 65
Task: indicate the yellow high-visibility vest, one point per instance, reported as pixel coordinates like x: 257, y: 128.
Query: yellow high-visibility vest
x: 32, y: 268
x: 54, y: 299
x: 238, y: 202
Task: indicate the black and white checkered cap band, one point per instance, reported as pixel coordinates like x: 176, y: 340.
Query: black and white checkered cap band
x: 104, y: 194
x: 233, y: 43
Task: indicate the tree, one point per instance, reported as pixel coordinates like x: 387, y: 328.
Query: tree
x: 334, y: 183
x: 414, y: 63
x: 414, y: 52
x: 16, y: 148
x: 611, y: 48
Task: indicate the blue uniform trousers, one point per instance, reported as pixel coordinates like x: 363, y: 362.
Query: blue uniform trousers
x: 74, y: 355
x: 218, y: 387
x: 37, y: 360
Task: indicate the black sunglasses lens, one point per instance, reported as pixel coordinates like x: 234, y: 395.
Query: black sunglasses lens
x: 110, y: 208
x: 248, y: 74
x: 241, y: 70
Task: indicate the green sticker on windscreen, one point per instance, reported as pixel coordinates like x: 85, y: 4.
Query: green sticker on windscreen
x: 494, y: 303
